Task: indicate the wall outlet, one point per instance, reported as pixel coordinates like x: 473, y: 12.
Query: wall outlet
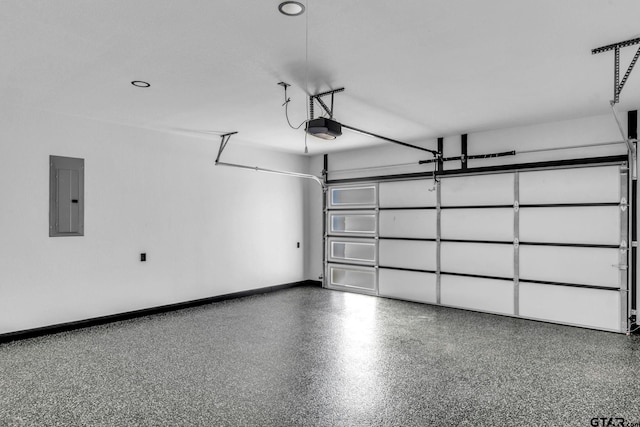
x: 143, y: 257
x: 298, y: 245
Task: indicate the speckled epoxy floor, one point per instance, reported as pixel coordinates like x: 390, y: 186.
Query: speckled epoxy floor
x: 314, y: 357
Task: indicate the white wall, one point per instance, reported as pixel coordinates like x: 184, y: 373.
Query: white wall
x: 315, y: 217
x: 206, y: 230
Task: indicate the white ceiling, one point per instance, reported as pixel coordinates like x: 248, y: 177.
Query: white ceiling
x: 412, y: 69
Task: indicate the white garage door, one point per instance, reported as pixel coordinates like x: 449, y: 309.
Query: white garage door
x: 547, y: 245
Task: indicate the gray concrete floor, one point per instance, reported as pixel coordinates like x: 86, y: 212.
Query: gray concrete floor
x: 314, y: 357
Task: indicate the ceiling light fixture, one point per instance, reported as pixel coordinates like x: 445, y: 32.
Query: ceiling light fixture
x: 140, y: 83
x: 291, y: 8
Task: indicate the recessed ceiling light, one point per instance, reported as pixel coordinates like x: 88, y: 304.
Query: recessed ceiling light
x: 291, y: 8
x: 140, y: 83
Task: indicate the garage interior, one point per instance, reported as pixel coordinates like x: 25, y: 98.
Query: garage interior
x: 319, y: 213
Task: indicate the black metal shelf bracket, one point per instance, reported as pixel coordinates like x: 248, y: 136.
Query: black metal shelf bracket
x: 618, y: 84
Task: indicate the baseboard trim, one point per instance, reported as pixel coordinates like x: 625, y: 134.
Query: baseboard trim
x: 79, y: 324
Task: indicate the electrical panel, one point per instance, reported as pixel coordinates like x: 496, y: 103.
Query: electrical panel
x: 66, y: 196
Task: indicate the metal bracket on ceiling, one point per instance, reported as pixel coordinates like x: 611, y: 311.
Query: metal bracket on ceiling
x: 618, y: 84
x: 286, y: 98
x: 318, y: 97
x: 223, y: 144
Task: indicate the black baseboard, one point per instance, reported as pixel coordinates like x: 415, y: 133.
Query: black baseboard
x: 79, y: 324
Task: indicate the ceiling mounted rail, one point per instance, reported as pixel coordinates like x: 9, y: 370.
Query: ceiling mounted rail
x: 338, y: 126
x: 274, y: 171
x: 223, y: 144
x: 364, y: 132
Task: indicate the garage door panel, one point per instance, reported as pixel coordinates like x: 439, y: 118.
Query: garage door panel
x: 407, y: 285
x: 480, y: 190
x: 578, y: 185
x: 357, y: 251
x: 417, y: 255
x: 408, y: 223
x: 483, y: 259
x: 353, y: 278
x: 477, y: 224
x: 352, y: 223
x: 407, y: 194
x: 584, y: 224
x: 576, y: 265
x: 352, y: 196
x: 564, y: 304
x: 477, y: 294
